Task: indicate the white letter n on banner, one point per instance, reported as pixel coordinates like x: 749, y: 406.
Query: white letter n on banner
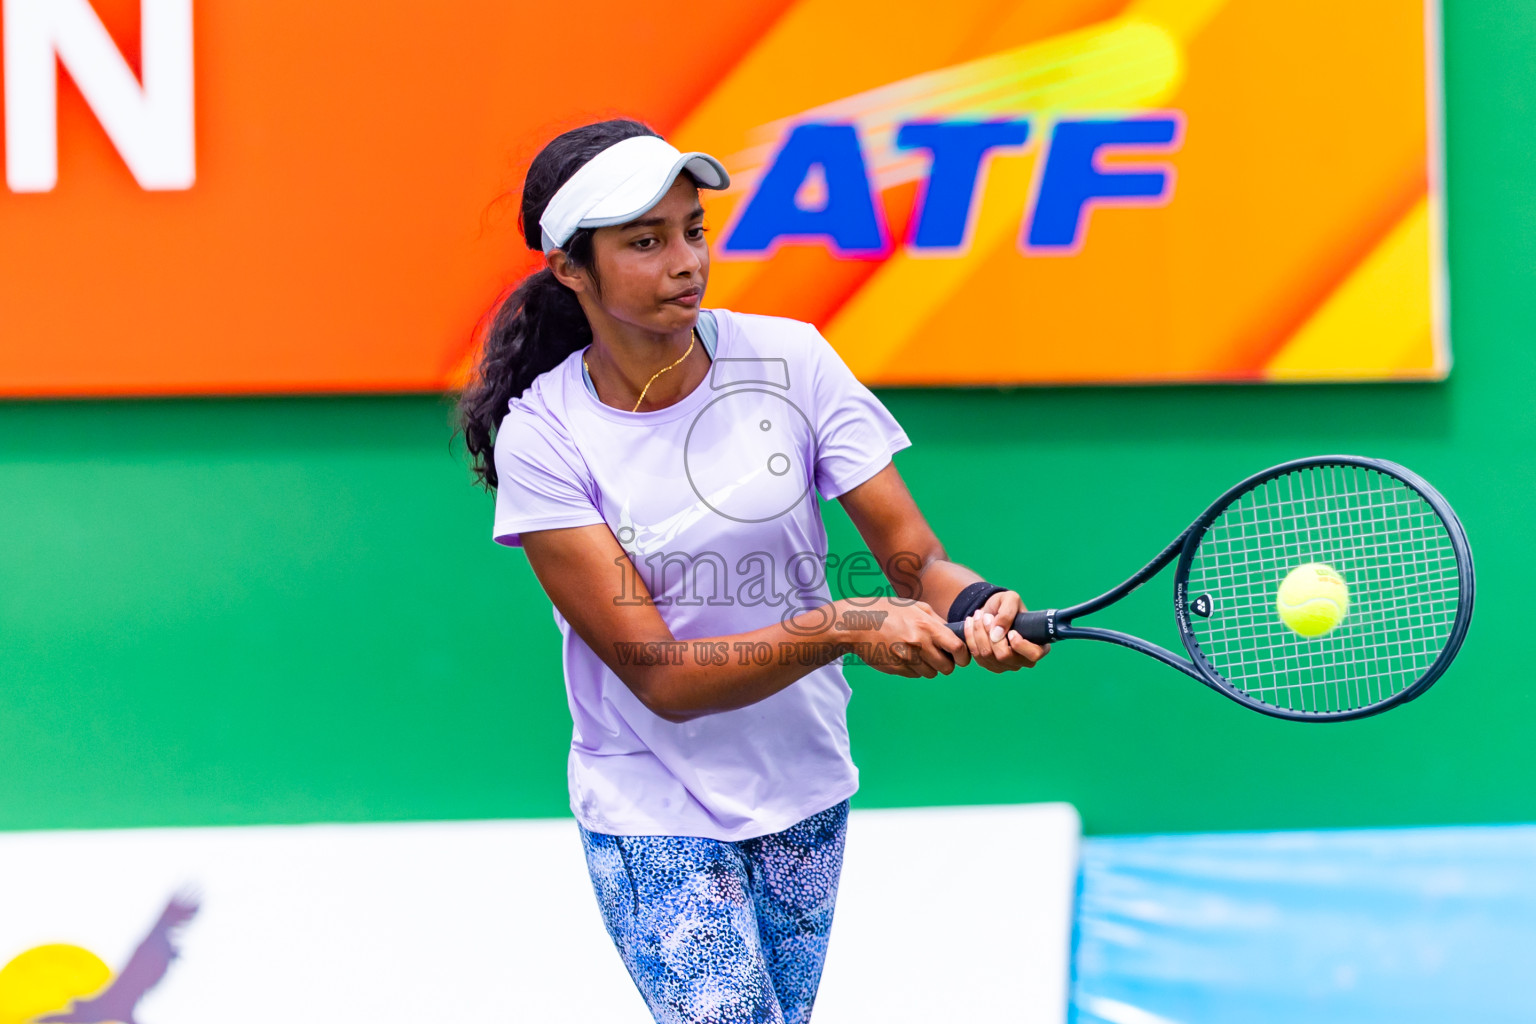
x: 151, y: 126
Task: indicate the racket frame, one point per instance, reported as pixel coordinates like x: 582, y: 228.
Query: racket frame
x: 1049, y: 626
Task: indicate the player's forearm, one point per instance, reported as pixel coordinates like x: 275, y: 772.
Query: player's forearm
x: 920, y: 570
x: 685, y: 679
x: 940, y: 582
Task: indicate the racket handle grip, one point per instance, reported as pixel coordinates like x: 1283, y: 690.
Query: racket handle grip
x: 1036, y: 627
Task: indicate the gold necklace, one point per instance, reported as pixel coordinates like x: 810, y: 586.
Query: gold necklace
x: 658, y: 373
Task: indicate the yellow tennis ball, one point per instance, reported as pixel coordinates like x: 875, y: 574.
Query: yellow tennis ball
x: 1313, y: 600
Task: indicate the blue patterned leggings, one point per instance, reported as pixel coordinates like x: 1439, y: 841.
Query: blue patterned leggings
x: 723, y: 933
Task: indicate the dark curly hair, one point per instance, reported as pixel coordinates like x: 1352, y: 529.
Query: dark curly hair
x: 540, y: 322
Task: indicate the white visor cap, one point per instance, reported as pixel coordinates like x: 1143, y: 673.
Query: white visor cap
x: 621, y: 183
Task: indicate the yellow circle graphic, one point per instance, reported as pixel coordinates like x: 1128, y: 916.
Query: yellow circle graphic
x: 46, y: 978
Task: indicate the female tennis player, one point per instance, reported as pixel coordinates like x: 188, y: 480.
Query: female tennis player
x: 656, y: 461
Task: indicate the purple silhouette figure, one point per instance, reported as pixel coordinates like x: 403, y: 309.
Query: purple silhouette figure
x: 115, y: 1004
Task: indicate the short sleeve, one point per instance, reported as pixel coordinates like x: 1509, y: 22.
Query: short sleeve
x: 542, y: 481
x: 855, y: 434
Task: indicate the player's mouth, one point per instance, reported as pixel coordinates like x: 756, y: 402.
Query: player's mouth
x: 689, y: 298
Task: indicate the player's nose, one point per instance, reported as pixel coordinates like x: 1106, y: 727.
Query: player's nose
x: 686, y: 262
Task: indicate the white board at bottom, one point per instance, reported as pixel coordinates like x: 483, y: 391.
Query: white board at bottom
x: 944, y: 913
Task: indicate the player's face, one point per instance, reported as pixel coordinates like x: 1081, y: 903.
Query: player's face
x: 653, y: 270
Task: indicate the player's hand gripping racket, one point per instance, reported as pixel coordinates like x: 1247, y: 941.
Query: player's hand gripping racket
x: 1376, y: 631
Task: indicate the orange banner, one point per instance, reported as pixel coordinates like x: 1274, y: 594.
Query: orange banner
x: 298, y: 198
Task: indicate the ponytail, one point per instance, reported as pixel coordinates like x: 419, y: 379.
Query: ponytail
x: 533, y: 330
x: 540, y: 323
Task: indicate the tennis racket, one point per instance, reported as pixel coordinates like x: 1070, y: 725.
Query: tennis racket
x: 1395, y: 541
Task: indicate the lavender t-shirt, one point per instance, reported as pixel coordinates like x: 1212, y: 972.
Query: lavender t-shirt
x: 713, y: 499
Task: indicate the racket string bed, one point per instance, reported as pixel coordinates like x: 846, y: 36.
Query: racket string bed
x: 1324, y: 517
x: 1387, y: 542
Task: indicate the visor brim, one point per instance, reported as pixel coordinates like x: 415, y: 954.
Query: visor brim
x: 643, y: 191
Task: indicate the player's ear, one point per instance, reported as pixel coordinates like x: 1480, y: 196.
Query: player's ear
x: 566, y: 272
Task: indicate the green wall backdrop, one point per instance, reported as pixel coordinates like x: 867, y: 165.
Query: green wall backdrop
x: 287, y: 610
